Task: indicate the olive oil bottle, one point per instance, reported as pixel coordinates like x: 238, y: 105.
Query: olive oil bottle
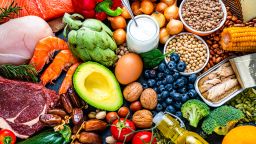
x: 171, y: 129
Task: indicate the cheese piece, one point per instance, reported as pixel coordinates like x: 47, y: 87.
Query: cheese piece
x: 248, y: 9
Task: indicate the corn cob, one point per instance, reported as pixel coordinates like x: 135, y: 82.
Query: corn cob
x: 239, y: 39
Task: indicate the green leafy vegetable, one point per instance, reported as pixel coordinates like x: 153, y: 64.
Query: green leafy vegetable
x: 153, y: 58
x: 21, y: 72
x: 6, y: 12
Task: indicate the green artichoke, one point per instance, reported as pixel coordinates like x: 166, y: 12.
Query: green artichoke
x: 90, y: 40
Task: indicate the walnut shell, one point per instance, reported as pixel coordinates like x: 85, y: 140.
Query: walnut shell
x: 148, y: 99
x: 142, y: 118
x: 132, y: 91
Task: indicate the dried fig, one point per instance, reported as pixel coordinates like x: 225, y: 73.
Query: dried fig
x: 142, y: 119
x: 132, y: 91
x: 148, y: 99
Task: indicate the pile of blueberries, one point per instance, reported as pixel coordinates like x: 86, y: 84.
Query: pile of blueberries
x: 173, y: 89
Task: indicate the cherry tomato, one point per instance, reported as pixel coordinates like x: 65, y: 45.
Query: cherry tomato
x: 143, y: 137
x: 123, y: 112
x: 7, y: 137
x: 135, y: 106
x: 111, y: 116
x: 120, y: 128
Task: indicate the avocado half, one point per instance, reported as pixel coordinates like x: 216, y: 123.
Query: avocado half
x: 98, y: 86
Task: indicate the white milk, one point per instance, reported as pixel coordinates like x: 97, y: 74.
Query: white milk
x: 145, y: 36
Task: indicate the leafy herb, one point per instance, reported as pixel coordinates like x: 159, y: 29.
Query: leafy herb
x: 21, y: 72
x: 6, y: 12
x: 153, y: 58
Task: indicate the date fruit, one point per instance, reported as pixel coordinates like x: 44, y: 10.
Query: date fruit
x: 74, y: 98
x: 89, y: 138
x: 58, y: 112
x: 77, y: 116
x: 95, y: 125
x: 66, y: 103
x: 50, y: 119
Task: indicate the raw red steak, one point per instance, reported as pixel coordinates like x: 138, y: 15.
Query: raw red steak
x: 21, y: 104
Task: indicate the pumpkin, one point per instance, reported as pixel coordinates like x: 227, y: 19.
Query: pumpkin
x: 241, y: 135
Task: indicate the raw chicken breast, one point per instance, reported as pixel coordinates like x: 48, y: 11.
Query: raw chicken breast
x: 18, y: 38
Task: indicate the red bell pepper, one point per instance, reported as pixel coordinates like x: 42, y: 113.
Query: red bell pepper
x: 98, y: 9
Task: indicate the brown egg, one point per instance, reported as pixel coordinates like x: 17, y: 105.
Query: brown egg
x: 128, y: 68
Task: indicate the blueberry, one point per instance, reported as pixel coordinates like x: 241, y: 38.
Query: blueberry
x: 159, y: 99
x: 165, y: 94
x: 175, y: 57
x: 176, y: 75
x: 181, y: 66
x: 162, y: 67
x: 158, y: 83
x: 151, y: 82
x: 171, y: 65
x: 167, y: 71
x: 169, y: 100
x: 176, y: 96
x: 144, y: 85
x: 169, y: 79
x: 190, y: 86
x: 160, y: 75
x: 171, y: 92
x: 159, y: 107
x: 159, y: 96
x: 168, y: 86
x: 177, y: 105
x: 146, y: 74
x: 184, y: 98
x: 184, y: 78
x: 164, y: 81
x: 182, y: 90
x: 170, y: 109
x: 178, y: 114
x: 152, y: 73
x: 192, y: 78
x: 156, y: 89
x: 192, y: 93
x: 161, y: 88
x: 164, y: 105
x: 179, y: 83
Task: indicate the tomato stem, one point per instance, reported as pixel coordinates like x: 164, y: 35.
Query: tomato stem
x: 7, y: 140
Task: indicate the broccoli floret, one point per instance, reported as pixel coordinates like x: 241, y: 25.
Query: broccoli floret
x: 194, y: 110
x: 221, y: 120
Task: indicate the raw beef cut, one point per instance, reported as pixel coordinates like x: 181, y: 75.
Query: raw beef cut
x: 46, y: 9
x: 21, y: 104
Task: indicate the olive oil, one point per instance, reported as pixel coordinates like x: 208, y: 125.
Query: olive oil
x: 171, y: 129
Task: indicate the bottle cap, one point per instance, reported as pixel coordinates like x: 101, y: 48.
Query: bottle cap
x: 158, y: 118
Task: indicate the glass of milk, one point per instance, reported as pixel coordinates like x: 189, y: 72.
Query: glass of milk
x: 145, y: 36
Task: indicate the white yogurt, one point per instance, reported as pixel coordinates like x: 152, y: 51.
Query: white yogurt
x: 145, y: 36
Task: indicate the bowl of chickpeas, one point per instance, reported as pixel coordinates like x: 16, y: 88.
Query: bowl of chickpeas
x: 192, y: 50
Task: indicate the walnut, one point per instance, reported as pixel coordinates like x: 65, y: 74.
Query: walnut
x: 148, y: 99
x: 142, y: 119
x: 132, y: 91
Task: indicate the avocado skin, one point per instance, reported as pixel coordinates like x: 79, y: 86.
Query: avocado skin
x: 117, y: 97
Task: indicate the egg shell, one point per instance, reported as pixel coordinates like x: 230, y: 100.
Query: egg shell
x: 128, y: 68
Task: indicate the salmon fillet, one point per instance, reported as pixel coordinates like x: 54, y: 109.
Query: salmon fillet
x: 46, y: 9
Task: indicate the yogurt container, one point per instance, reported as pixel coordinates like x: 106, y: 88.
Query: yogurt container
x: 145, y: 36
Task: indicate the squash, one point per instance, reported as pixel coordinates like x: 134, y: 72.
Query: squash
x: 241, y: 135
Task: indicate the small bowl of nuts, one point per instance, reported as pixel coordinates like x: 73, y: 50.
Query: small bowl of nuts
x: 202, y: 17
x: 191, y: 48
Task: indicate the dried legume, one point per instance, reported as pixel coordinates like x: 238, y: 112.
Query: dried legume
x: 191, y: 50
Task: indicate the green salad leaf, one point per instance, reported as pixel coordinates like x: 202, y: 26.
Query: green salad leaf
x: 153, y: 58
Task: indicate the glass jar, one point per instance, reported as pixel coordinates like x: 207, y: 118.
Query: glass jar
x: 143, y: 37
